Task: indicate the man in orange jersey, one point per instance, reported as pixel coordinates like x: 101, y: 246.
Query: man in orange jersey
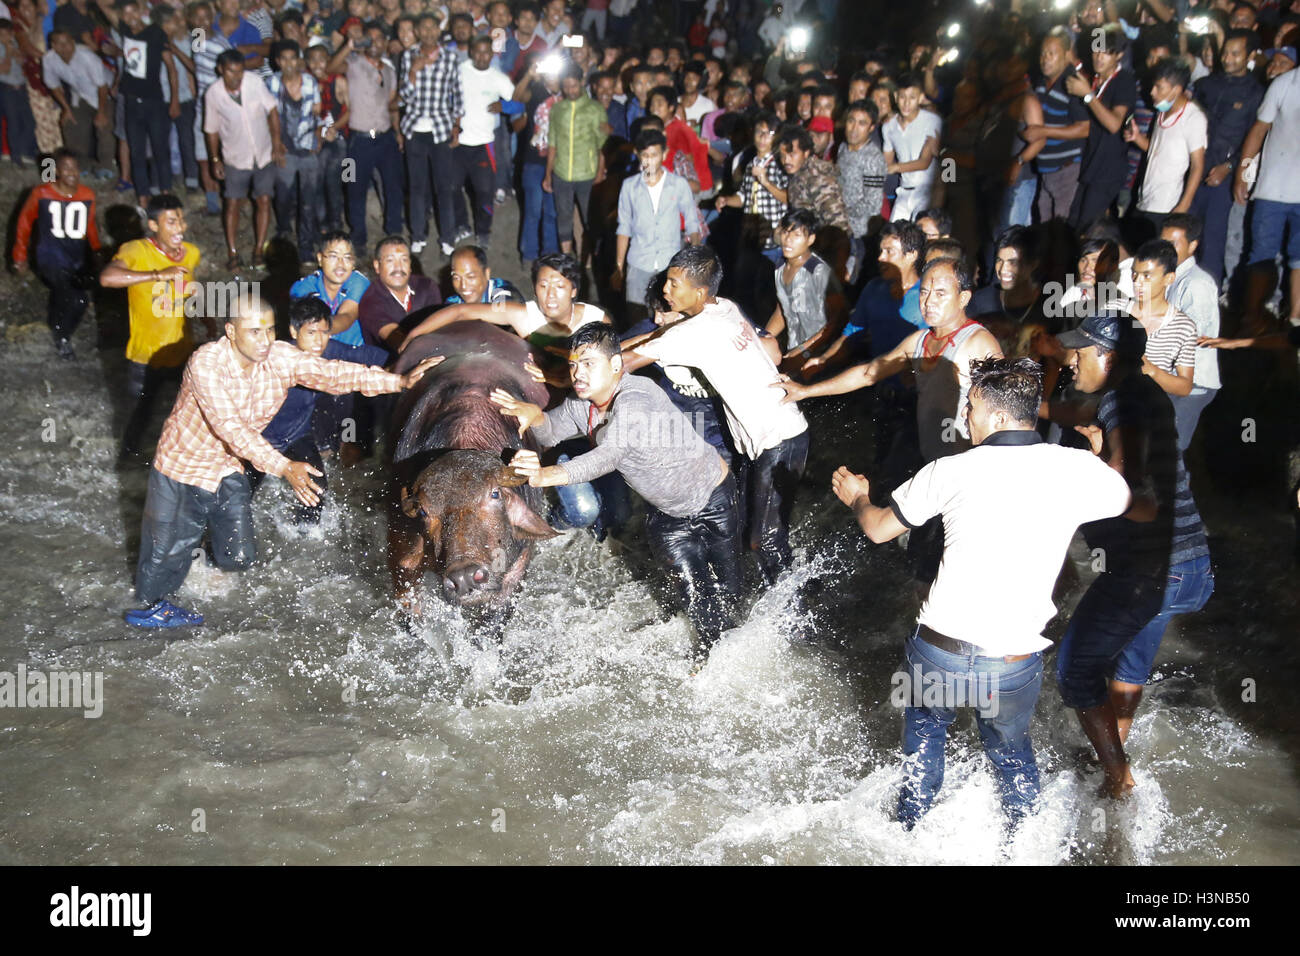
x: 63, y: 214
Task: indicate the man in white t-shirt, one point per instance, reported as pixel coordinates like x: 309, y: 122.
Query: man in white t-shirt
x: 712, y: 335
x: 1276, y: 211
x: 1010, y: 506
x: 1175, y: 147
x: 911, y: 144
x: 482, y: 88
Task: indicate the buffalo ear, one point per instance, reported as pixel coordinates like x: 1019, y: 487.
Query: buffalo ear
x: 526, y: 522
x: 410, y: 503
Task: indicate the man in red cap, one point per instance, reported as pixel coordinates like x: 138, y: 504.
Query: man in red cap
x: 822, y: 129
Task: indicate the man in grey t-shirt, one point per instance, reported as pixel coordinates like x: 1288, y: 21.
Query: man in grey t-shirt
x: 693, y: 522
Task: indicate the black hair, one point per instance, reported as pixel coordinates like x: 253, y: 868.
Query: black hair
x: 696, y: 67
x: 1189, y: 224
x: 1010, y: 385
x: 160, y: 13
x: 1112, y: 39
x: 229, y: 58
x: 1172, y: 70
x: 480, y: 38
x: 391, y: 240
x: 909, y: 234
x: 382, y: 27
x: 767, y: 118
x: 700, y: 266
x: 63, y: 153
x: 1159, y: 251
x: 160, y: 203
x: 292, y: 16
x: 561, y: 262
x: 279, y: 46
x: 452, y: 20
x: 795, y: 136
x: 307, y: 311
x: 826, y: 90
x: 907, y: 81
x: 480, y: 255
x: 940, y: 217
x: 1237, y: 33
x: 946, y: 246
x: 650, y: 137
x: 529, y: 7
x: 327, y: 240
x: 597, y: 335
x: 965, y: 278
x: 804, y: 219
x: 1020, y: 239
x: 864, y: 106
x: 1100, y: 245
x: 667, y: 92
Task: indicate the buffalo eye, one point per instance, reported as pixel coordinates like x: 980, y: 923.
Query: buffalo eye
x: 496, y: 493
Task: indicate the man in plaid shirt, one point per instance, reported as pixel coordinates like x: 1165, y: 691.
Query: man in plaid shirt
x: 432, y: 106
x: 231, y: 389
x: 297, y: 182
x: 762, y: 187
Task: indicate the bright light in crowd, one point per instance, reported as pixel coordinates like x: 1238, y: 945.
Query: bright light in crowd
x: 953, y: 30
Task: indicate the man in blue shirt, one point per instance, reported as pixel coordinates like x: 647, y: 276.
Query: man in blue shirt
x: 290, y: 431
x: 340, y: 286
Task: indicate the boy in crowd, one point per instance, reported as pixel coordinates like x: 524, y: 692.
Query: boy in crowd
x: 810, y: 306
x: 297, y: 182
x: 66, y: 237
x: 155, y: 271
x: 290, y: 431
x: 578, y: 127
x: 861, y: 168
x: 911, y: 147
x: 651, y: 210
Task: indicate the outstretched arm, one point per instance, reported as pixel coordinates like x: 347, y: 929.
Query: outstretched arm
x: 498, y: 313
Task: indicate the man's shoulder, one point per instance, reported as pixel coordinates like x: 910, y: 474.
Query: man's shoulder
x: 355, y: 284
x: 307, y: 285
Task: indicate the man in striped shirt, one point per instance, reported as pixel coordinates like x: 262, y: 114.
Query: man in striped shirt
x: 231, y: 390
x: 1065, y: 127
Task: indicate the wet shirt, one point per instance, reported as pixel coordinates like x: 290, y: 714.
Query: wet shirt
x: 803, y: 301
x: 643, y: 437
x: 722, y: 344
x: 159, y: 336
x: 942, y: 382
x: 1010, y: 507
x: 217, y: 421
x: 1149, y: 548
x: 64, y: 226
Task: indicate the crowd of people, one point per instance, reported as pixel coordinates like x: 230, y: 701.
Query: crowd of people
x: 1017, y: 230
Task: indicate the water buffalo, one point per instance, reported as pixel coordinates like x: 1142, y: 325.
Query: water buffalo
x: 455, y: 509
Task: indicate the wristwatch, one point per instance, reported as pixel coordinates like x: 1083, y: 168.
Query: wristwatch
x: 1088, y: 98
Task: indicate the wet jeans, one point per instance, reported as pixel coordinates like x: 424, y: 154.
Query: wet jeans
x: 1003, y: 721
x: 602, y: 504
x: 1117, y: 626
x: 176, y: 515
x: 702, y: 554
x: 771, y: 480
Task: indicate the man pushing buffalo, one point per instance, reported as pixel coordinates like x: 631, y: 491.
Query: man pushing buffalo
x: 230, y: 390
x: 693, y: 524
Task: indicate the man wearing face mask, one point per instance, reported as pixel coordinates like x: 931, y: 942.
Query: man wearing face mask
x: 1176, y: 147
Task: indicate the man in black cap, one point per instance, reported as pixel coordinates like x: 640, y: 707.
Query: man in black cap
x: 1154, y: 559
x: 1009, y: 506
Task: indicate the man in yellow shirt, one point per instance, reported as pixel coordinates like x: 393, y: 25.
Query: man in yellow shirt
x: 156, y: 272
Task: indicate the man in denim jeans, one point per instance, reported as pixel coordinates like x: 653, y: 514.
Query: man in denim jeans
x: 1156, y: 558
x: 1010, y: 506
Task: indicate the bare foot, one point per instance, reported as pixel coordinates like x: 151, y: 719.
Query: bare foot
x: 1117, y: 789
